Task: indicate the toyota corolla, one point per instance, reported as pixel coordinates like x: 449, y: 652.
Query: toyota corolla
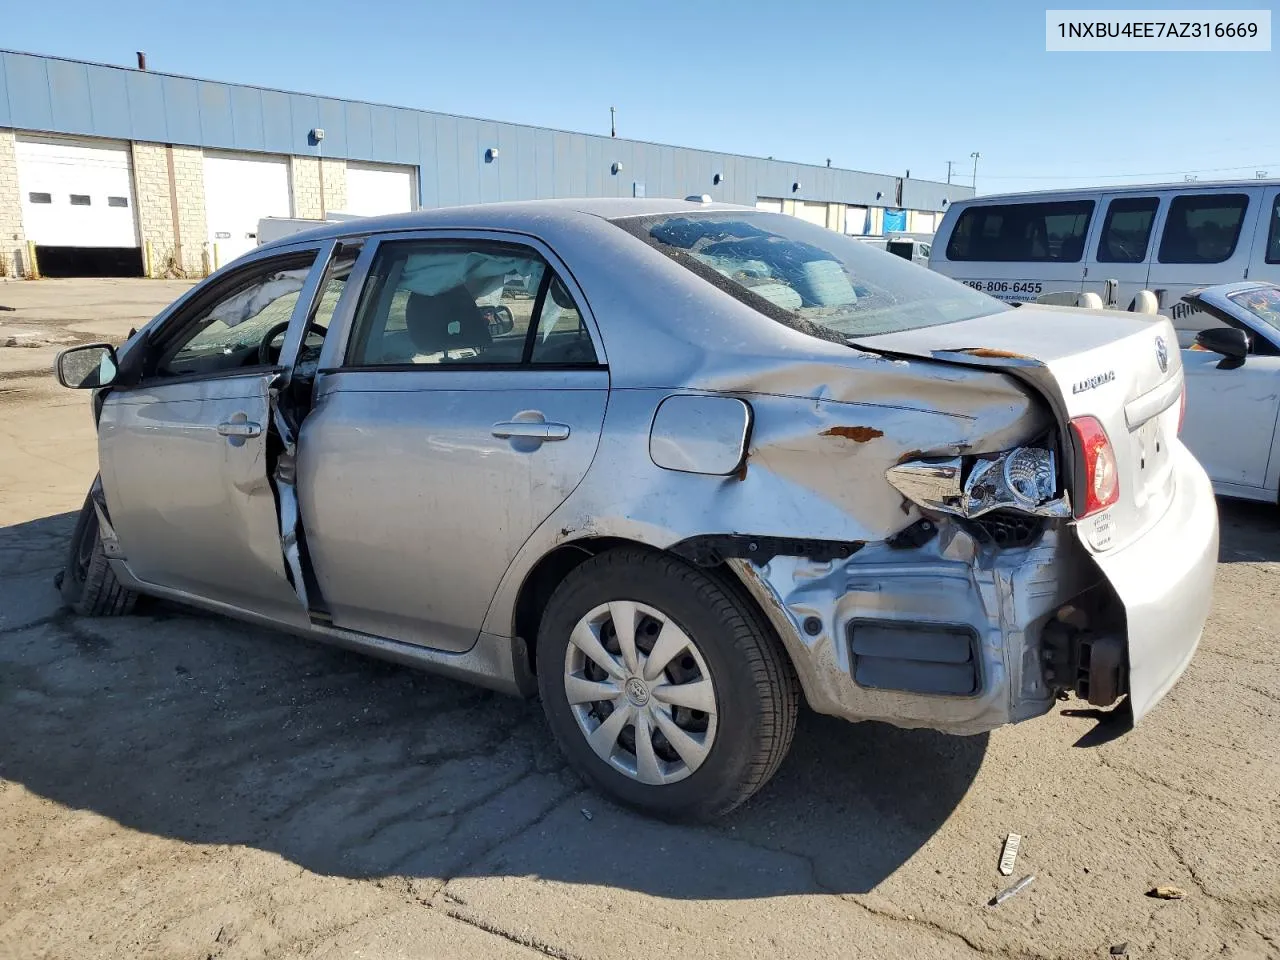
x: 703, y: 462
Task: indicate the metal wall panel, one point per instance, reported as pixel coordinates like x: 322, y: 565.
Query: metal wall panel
x: 217, y: 128
x: 71, y: 97
x: 29, y: 93
x: 359, y: 132
x: 246, y: 119
x: 181, y: 118
x: 279, y: 135
x: 109, y: 101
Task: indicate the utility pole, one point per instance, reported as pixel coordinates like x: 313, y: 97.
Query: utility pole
x: 613, y: 127
x: 975, y: 156
x: 950, y: 163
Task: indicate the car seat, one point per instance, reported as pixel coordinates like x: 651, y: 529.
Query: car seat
x: 445, y: 322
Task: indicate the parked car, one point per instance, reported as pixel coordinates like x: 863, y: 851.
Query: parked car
x: 731, y: 459
x: 1233, y: 389
x: 1167, y: 238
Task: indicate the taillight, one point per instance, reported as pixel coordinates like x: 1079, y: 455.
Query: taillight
x: 1101, y: 475
x: 1182, y: 409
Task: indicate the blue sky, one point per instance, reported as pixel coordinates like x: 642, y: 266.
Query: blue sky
x: 871, y: 85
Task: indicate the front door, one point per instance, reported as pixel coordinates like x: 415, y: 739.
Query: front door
x: 465, y: 408
x: 1231, y: 416
x: 185, y: 454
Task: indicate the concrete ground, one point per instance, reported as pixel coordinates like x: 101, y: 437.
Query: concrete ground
x: 174, y: 785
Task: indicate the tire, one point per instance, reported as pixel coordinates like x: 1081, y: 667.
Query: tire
x: 88, y: 585
x: 754, y: 695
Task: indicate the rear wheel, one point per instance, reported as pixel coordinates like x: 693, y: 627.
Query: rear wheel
x: 662, y: 686
x: 88, y: 585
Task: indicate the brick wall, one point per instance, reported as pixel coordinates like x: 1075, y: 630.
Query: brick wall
x: 304, y: 178
x: 13, y: 242
x: 179, y: 253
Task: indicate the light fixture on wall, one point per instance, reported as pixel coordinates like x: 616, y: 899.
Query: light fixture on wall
x: 491, y: 155
x: 616, y: 168
x: 795, y: 187
x: 718, y: 179
x: 879, y: 194
x: 316, y: 135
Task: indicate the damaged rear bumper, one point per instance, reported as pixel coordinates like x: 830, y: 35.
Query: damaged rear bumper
x: 1165, y: 581
x: 951, y: 634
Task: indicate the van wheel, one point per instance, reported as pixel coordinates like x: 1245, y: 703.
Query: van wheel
x: 662, y: 687
x: 88, y: 585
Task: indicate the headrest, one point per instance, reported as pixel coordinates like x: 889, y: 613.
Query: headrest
x: 446, y: 321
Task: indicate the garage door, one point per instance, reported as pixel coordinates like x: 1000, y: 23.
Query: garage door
x: 813, y: 212
x: 373, y: 189
x: 239, y: 190
x: 77, y: 205
x: 769, y: 203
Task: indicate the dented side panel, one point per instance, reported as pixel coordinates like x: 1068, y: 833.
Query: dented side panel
x: 815, y: 465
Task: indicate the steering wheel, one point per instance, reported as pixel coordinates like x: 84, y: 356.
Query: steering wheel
x: 264, y: 346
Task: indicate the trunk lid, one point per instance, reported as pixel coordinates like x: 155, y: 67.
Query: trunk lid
x: 1122, y: 368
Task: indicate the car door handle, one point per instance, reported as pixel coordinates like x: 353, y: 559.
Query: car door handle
x: 242, y: 428
x: 531, y: 429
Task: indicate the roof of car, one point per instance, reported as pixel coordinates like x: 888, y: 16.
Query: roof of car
x: 1185, y: 186
x: 511, y: 215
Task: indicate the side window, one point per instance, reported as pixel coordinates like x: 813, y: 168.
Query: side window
x: 1273, y: 233
x: 227, y: 330
x: 1127, y: 230
x: 442, y: 303
x: 561, y: 336
x: 1203, y: 228
x: 1051, y: 232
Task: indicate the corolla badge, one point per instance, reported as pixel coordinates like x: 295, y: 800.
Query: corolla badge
x: 1162, y: 354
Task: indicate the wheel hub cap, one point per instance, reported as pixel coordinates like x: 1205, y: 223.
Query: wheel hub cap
x: 641, y: 692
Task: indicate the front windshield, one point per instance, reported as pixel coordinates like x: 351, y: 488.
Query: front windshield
x: 810, y: 277
x: 1262, y: 302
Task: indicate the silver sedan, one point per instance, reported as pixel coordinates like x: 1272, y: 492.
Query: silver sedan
x: 671, y: 466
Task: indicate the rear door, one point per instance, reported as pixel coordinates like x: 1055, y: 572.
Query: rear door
x: 1206, y: 239
x: 439, y: 441
x: 184, y: 452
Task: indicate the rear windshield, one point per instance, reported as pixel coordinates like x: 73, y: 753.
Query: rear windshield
x: 808, y: 276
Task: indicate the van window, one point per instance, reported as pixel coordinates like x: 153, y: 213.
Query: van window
x: 1031, y: 232
x: 1203, y: 228
x: 1127, y: 230
x: 1273, y: 235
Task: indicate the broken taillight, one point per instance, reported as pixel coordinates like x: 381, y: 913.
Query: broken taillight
x: 1101, y: 473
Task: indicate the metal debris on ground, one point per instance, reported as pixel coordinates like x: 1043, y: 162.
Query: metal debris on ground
x: 1010, y: 853
x: 1013, y: 891
x: 1120, y: 949
x: 1167, y: 893
x: 586, y: 813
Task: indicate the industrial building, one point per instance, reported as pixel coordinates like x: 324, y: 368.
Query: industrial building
x: 107, y: 170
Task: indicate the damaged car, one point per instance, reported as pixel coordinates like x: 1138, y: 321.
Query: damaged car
x: 720, y: 460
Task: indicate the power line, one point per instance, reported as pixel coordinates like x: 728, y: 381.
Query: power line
x: 1123, y: 176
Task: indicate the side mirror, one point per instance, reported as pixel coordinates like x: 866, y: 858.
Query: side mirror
x: 1232, y: 343
x: 87, y: 367
x: 500, y: 321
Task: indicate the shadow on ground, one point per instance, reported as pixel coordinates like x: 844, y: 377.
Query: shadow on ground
x: 209, y: 731
x: 1250, y: 532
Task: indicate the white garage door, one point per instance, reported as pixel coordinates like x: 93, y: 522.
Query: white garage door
x: 813, y: 212
x: 769, y: 203
x: 76, y: 193
x: 239, y: 190
x: 373, y: 189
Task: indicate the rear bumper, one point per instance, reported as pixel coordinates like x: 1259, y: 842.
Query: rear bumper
x: 1165, y: 581
x: 918, y: 600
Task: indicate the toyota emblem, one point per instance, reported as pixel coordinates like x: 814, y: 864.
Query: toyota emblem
x: 1162, y: 355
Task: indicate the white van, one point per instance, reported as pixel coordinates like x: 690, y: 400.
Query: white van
x: 1169, y: 239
